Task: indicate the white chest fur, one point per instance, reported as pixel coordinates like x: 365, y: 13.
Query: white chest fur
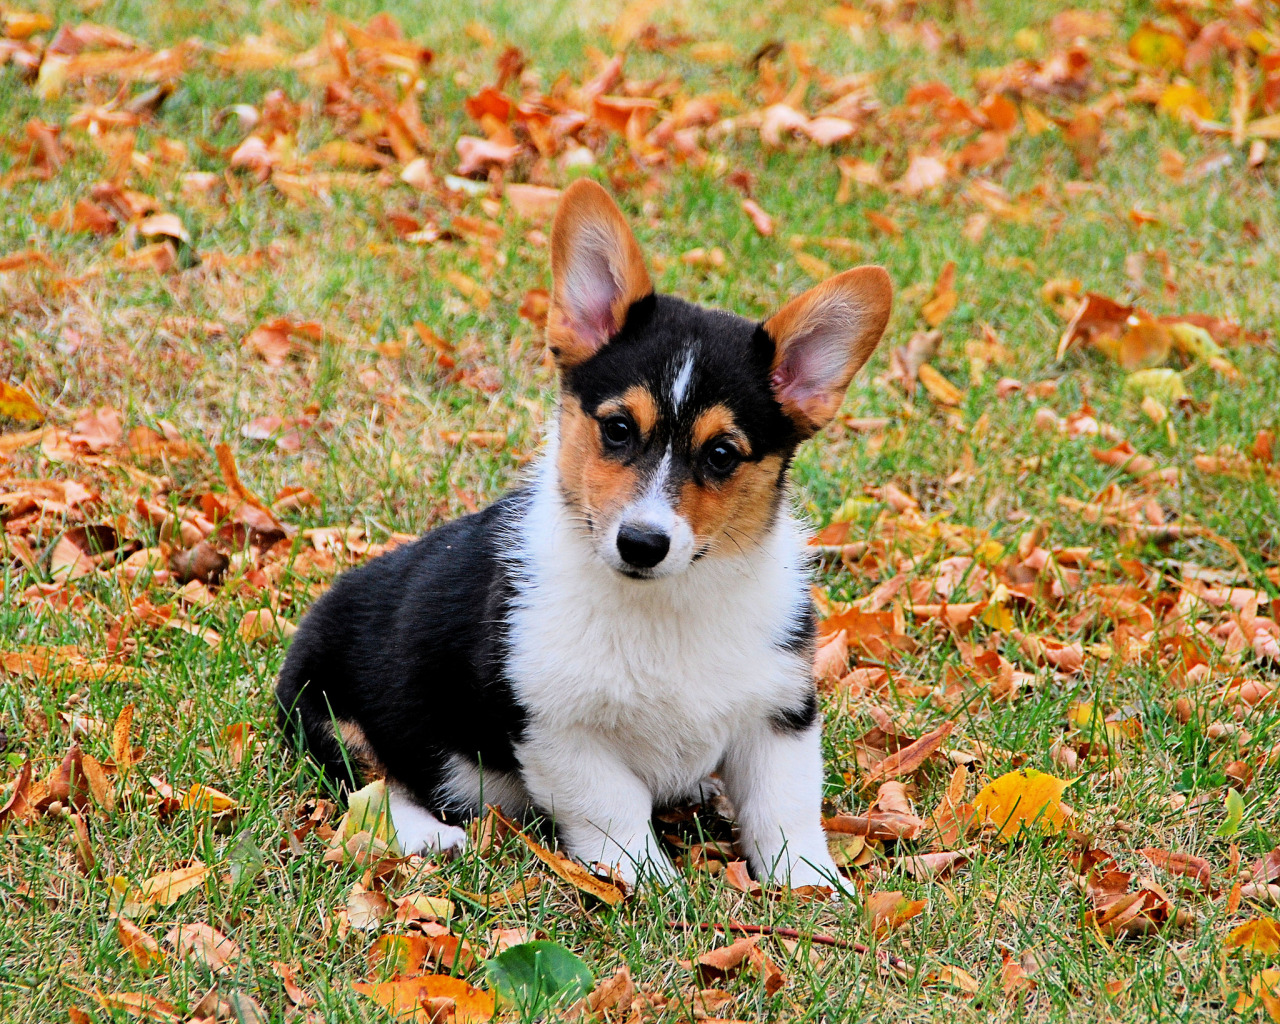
x: 665, y: 672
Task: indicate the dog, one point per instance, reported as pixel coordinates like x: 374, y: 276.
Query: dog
x: 596, y: 643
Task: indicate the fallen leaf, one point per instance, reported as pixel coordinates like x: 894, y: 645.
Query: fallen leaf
x: 888, y: 911
x: 138, y: 944
x: 16, y: 404
x: 568, y: 870
x: 406, y: 999
x: 206, y: 944
x: 939, y: 387
x: 1024, y: 797
x: 762, y: 221
x: 910, y: 758
x: 1261, y: 935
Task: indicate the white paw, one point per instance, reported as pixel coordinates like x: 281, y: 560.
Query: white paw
x: 420, y: 831
x: 800, y: 870
x: 441, y: 839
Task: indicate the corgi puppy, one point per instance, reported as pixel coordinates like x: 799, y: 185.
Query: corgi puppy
x: 594, y: 644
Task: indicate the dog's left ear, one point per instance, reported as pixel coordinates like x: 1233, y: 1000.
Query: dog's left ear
x: 597, y: 272
x: 821, y: 340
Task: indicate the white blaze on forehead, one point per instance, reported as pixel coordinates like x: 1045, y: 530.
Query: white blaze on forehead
x: 681, y: 385
x: 656, y: 490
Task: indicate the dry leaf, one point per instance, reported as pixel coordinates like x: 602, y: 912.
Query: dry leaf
x: 1025, y: 797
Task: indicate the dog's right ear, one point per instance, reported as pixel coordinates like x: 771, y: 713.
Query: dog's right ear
x: 597, y: 273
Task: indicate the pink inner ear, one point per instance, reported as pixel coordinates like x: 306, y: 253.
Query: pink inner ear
x: 589, y: 293
x: 812, y: 368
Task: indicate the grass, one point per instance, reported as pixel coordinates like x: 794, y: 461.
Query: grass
x: 374, y: 457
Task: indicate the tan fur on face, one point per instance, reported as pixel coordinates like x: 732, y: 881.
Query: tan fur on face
x: 638, y: 403
x: 738, y: 512
x: 716, y: 422
x: 595, y: 484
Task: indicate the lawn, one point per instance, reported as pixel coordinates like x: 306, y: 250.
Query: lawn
x: 271, y: 286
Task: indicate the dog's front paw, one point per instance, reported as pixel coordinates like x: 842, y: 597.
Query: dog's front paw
x: 443, y: 839
x: 420, y: 831
x: 818, y: 870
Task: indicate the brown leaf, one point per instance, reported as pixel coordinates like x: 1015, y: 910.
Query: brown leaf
x: 925, y: 866
x: 876, y: 825
x: 533, y: 202
x: 80, y: 840
x: 613, y: 993
x: 911, y: 758
x: 250, y: 509
x: 716, y: 965
x: 288, y: 978
x: 770, y: 973
x: 99, y: 785
x: 17, y: 805
x: 97, y: 429
x: 737, y: 877
x: 139, y: 1004
x: 1180, y: 864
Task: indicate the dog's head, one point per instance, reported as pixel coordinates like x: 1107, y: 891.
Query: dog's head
x: 677, y: 423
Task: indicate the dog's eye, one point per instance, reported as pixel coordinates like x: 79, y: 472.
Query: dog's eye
x: 616, y: 431
x: 721, y: 458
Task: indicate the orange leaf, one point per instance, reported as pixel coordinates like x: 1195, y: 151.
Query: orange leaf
x: 406, y: 999
x: 568, y: 870
x: 762, y: 221
x: 889, y: 911
x: 121, y: 747
x: 137, y: 943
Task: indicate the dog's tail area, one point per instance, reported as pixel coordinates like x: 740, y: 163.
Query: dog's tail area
x: 305, y: 715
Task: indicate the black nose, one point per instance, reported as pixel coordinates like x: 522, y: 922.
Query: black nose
x: 642, y: 548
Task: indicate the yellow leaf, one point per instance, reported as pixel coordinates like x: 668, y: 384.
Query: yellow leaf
x: 1262, y: 986
x: 1264, y: 127
x: 1177, y: 98
x: 1162, y: 384
x: 1156, y: 47
x: 937, y: 385
x: 369, y: 810
x: 1023, y: 797
x: 470, y: 290
x: 206, y: 798
x: 1261, y: 935
x: 16, y: 404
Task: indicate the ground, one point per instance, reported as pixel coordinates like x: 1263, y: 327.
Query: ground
x: 271, y: 250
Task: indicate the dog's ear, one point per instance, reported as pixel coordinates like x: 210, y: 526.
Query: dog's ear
x: 822, y: 338
x: 597, y: 273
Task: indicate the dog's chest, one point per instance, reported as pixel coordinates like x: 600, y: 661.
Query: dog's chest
x: 667, y: 675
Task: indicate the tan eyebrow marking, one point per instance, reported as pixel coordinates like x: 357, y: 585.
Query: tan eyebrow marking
x: 716, y: 422
x: 639, y: 402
